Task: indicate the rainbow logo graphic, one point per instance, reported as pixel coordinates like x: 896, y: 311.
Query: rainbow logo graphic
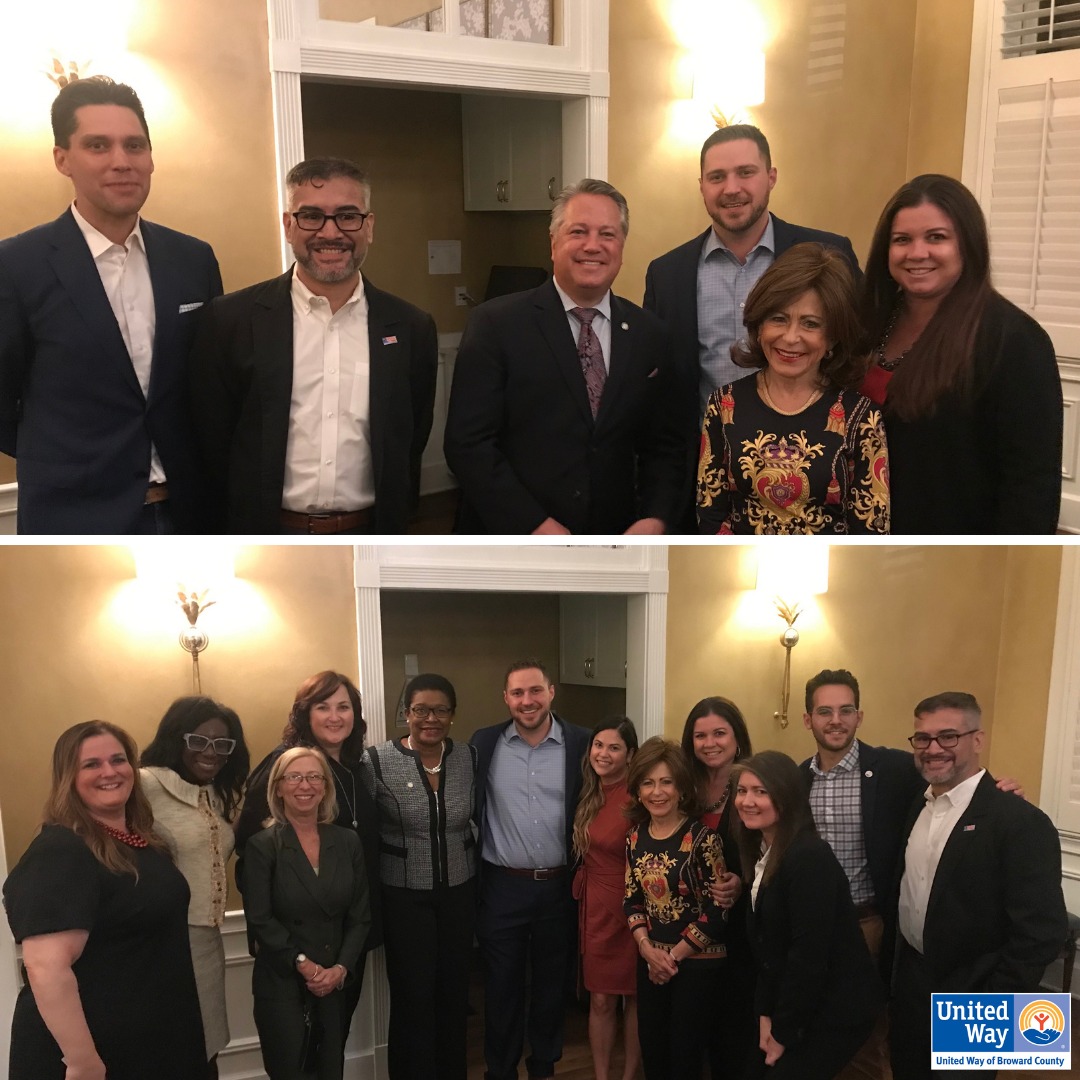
x: 1041, y: 1022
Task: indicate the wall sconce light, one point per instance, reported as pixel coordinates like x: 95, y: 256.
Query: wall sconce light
x: 726, y: 90
x: 788, y: 577
x: 61, y: 72
x: 192, y: 638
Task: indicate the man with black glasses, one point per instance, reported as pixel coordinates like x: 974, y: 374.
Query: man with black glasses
x: 313, y: 392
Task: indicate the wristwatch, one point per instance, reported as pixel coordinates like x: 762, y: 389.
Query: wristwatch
x: 300, y: 959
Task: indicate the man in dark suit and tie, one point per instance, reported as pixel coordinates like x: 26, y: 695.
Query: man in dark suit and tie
x: 97, y: 313
x: 546, y: 437
x: 699, y: 288
x: 981, y: 908
x: 527, y: 786
x: 313, y: 392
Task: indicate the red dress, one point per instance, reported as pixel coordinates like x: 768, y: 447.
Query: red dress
x: 609, y: 956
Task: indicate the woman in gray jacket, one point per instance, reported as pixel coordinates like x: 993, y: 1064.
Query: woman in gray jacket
x: 423, y: 784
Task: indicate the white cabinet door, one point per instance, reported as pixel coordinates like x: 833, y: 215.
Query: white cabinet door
x: 485, y: 142
x: 592, y: 638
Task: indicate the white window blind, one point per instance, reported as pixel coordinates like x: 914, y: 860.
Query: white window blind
x: 1031, y: 27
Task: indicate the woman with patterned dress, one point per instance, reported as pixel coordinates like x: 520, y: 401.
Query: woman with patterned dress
x: 608, y: 953
x: 969, y: 382
x: 193, y: 774
x: 795, y: 448
x: 101, y: 913
x: 680, y: 932
x: 424, y: 788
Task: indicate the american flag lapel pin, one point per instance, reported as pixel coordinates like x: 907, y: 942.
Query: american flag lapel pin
x: 969, y: 828
x: 391, y: 340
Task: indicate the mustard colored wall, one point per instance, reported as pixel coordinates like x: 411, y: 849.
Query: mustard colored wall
x: 409, y: 142
x: 907, y: 621
x: 72, y: 649
x: 939, y: 76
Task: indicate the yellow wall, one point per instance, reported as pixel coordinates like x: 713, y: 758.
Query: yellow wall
x: 907, y: 621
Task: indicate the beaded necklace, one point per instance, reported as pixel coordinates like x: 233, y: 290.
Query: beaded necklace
x: 131, y: 839
x: 442, y: 754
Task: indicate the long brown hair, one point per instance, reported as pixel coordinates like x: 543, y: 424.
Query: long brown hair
x: 592, y: 791
x: 780, y: 777
x: 726, y: 710
x: 660, y: 751
x: 943, y: 358
x: 64, y: 807
x: 310, y: 692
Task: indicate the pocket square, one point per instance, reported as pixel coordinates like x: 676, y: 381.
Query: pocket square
x: 652, y: 374
x: 184, y: 308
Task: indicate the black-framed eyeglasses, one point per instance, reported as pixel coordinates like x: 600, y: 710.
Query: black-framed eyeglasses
x: 946, y: 740
x: 198, y: 743
x: 345, y: 220
x: 422, y: 712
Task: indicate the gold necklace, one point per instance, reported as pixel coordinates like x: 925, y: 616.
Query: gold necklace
x: 667, y: 836
x: 814, y: 395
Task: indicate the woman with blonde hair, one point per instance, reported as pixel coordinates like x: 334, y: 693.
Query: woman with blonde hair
x: 306, y: 902
x: 101, y: 913
x: 608, y: 954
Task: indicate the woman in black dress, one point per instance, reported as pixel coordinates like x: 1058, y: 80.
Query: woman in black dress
x: 326, y: 714
x: 970, y: 385
x: 818, y: 992
x: 101, y: 912
x: 795, y: 448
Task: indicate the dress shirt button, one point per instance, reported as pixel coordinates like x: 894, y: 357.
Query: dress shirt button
x: 329, y: 461
x: 330, y: 415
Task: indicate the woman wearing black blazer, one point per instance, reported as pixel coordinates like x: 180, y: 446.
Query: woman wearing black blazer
x: 817, y: 993
x: 306, y: 902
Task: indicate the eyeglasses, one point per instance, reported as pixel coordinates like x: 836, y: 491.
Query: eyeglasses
x: 345, y: 220
x: 315, y: 779
x: 846, y: 711
x: 198, y: 743
x: 422, y: 712
x: 946, y: 740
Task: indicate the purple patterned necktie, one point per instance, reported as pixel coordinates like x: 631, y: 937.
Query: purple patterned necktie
x: 591, y: 356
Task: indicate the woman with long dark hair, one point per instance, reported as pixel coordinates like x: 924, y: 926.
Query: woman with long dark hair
x: 969, y: 382
x: 193, y: 773
x: 818, y: 992
x: 608, y: 952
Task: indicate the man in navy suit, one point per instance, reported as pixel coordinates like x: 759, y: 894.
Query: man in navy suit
x: 97, y: 312
x: 545, y: 436
x: 981, y: 907
x: 527, y: 787
x: 700, y: 287
x: 313, y: 392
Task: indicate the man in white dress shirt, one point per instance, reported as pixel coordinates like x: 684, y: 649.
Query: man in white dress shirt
x: 981, y: 906
x: 313, y: 392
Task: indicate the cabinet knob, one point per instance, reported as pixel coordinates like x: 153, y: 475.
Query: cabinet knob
x: 551, y: 189
x: 589, y: 667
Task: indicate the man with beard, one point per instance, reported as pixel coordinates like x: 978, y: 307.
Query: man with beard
x: 981, y: 906
x: 313, y: 392
x: 700, y: 287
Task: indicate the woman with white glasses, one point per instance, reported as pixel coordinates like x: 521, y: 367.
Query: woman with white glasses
x: 193, y: 773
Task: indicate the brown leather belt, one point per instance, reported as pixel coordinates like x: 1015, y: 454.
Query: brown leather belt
x: 869, y: 910
x: 338, y: 521
x: 156, y: 492
x: 545, y: 874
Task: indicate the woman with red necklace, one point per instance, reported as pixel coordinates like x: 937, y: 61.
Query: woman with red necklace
x: 101, y: 912
x: 608, y: 954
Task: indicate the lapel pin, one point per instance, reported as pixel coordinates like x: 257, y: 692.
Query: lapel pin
x: 868, y: 773
x: 392, y: 340
x: 625, y: 326
x: 969, y: 828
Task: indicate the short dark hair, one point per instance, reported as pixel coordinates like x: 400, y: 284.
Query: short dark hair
x: 316, y: 171
x: 95, y: 90
x: 439, y: 683
x: 952, y: 699
x: 310, y: 692
x: 726, y: 710
x: 839, y: 677
x: 183, y: 716
x: 730, y: 134
x: 526, y: 665
x: 661, y: 751
x: 824, y: 271
x: 589, y: 186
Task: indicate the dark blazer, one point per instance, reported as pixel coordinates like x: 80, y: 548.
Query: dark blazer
x: 890, y: 786
x: 814, y: 969
x: 520, y: 436
x: 576, y: 742
x: 241, y: 389
x: 996, y: 914
x: 72, y: 411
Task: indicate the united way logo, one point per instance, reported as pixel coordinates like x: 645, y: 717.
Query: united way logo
x: 995, y: 1031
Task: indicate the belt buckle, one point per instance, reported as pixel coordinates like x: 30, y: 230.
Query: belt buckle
x: 538, y: 875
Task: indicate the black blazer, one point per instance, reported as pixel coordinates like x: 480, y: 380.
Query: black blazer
x: 72, y: 411
x: 576, y: 743
x: 241, y: 390
x: 520, y: 436
x: 890, y: 786
x: 814, y: 969
x: 996, y: 914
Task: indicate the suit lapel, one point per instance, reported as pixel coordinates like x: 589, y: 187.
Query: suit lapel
x: 554, y: 327
x: 620, y: 362
x: 868, y: 790
x: 272, y: 348
x: 166, y: 288
x: 315, y: 885
x: 385, y: 349
x: 78, y: 275
x: 952, y: 853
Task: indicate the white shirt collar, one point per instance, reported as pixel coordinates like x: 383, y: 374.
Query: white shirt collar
x: 960, y: 795
x: 98, y: 242
x: 604, y: 307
